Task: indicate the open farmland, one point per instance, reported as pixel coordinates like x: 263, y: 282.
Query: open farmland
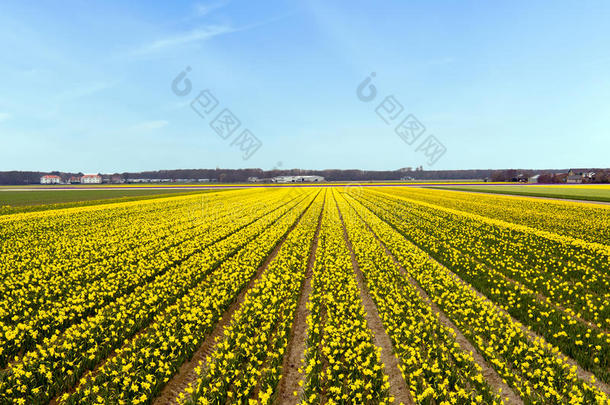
x: 589, y: 192
x: 14, y: 200
x: 313, y: 295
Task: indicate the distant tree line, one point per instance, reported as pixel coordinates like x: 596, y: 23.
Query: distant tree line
x: 548, y: 176
x: 23, y: 178
x: 601, y: 176
x: 242, y: 175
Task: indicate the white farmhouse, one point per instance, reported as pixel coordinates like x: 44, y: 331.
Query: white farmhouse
x: 50, y: 179
x: 91, y: 179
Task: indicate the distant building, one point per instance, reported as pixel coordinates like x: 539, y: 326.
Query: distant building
x: 116, y: 179
x: 574, y: 179
x: 533, y: 179
x: 50, y: 179
x: 283, y: 179
x: 91, y: 179
x: 74, y: 180
x: 298, y: 179
x: 580, y: 175
x: 261, y: 180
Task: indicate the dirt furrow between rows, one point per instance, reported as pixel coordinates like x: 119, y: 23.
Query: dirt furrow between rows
x: 398, y: 386
x: 177, y: 262
x: 295, y: 353
x: 582, y: 373
x: 187, y: 375
x: 490, y: 374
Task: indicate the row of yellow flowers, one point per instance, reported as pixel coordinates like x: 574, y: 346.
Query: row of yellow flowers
x: 457, y: 244
x: 81, y: 235
x: 54, y: 303
x: 589, y: 222
x: 245, y: 365
x: 42, y: 254
x: 436, y: 369
x: 537, y: 263
x: 57, y: 363
x: 533, y: 368
x: 567, y: 248
x: 141, y: 368
x: 150, y: 280
x: 342, y: 364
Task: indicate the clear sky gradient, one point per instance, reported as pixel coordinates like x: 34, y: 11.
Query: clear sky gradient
x: 86, y: 86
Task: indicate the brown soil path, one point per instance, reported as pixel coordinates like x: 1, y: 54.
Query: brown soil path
x: 398, y: 386
x: 187, y: 375
x: 491, y: 376
x: 570, y: 312
x: 88, y: 375
x: 295, y: 352
x: 581, y: 373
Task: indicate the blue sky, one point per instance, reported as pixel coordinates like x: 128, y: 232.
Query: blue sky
x: 86, y: 86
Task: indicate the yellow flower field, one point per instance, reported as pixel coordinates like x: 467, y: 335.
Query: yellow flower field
x: 286, y: 295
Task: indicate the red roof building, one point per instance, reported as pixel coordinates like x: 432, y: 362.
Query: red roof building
x: 91, y: 179
x: 50, y: 179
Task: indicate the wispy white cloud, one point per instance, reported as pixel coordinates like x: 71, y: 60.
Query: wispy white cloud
x: 4, y: 116
x: 201, y: 34
x: 196, y: 35
x: 203, y: 9
x: 150, y: 125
